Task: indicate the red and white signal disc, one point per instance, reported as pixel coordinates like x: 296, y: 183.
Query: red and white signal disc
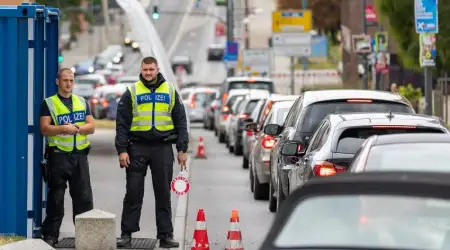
x: 180, y: 185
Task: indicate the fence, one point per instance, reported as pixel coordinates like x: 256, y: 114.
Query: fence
x: 28, y: 68
x: 441, y: 99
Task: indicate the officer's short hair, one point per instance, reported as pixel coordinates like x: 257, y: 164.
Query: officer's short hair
x: 149, y: 60
x: 63, y: 70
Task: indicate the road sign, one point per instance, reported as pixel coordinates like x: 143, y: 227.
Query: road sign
x: 257, y: 62
x: 220, y: 29
x: 426, y: 16
x: 371, y: 16
x: 292, y: 44
x: 291, y: 21
x: 180, y: 185
x: 221, y: 2
x: 231, y: 53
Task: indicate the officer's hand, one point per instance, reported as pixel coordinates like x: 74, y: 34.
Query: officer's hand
x: 182, y: 159
x: 124, y: 160
x: 70, y: 129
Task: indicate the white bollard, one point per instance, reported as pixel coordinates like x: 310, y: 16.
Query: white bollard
x: 95, y: 230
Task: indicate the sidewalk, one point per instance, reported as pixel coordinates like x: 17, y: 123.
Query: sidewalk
x: 260, y: 30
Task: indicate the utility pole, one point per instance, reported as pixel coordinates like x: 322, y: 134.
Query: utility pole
x: 105, y: 8
x: 246, y: 28
x: 230, y: 29
x: 365, y: 59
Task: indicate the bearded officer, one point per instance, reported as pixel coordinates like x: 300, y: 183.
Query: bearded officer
x: 150, y: 118
x: 66, y: 121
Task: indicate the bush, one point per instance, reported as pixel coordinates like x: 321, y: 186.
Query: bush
x: 412, y: 94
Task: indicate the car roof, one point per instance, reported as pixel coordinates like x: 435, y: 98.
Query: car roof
x: 128, y: 78
x: 370, y: 119
x: 282, y: 104
x: 414, y: 184
x: 278, y: 97
x: 310, y: 97
x: 252, y: 93
x: 246, y: 78
x: 411, y: 138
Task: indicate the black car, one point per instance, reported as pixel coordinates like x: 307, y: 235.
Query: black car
x: 418, y: 152
x: 216, y: 52
x: 362, y: 211
x: 310, y: 109
x: 339, y: 136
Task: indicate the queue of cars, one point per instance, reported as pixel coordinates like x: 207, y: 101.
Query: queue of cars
x: 102, y: 81
x: 286, y: 141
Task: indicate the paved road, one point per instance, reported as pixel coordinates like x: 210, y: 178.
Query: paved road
x: 219, y: 184
x: 108, y: 184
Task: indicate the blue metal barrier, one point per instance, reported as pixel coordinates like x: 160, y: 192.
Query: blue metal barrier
x: 28, y: 68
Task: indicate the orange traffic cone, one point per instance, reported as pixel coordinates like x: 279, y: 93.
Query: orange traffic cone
x: 234, y: 238
x: 200, y: 240
x: 200, y: 149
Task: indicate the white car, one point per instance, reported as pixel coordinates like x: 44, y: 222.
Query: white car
x: 196, y: 101
x: 85, y: 85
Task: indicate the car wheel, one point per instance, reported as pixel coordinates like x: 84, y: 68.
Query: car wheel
x: 281, y: 196
x: 272, y: 199
x: 237, y: 148
x: 221, y: 137
x: 252, y: 180
x: 230, y: 149
x: 245, y: 163
x: 260, y: 190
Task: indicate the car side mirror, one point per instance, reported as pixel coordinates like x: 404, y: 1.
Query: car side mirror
x: 289, y: 149
x: 272, y: 129
x: 250, y: 127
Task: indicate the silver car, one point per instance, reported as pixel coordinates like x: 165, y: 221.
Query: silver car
x: 196, y: 101
x: 249, y: 136
x: 260, y: 155
x: 85, y: 85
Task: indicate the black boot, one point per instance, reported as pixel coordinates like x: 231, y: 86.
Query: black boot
x: 52, y: 241
x: 124, y: 241
x: 168, y: 243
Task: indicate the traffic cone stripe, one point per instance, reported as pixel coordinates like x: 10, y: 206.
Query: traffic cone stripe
x: 200, y: 225
x: 234, y: 226
x: 234, y: 245
x: 234, y: 235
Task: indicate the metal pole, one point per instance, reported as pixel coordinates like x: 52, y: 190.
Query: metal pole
x: 428, y: 77
x: 230, y: 28
x: 106, y: 16
x: 304, y: 58
x: 365, y: 61
x: 246, y: 28
x: 293, y: 75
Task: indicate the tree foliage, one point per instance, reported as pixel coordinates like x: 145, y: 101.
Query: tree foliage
x: 399, y: 15
x: 326, y: 13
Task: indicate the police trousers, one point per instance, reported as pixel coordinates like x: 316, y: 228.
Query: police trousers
x: 74, y: 169
x: 160, y: 158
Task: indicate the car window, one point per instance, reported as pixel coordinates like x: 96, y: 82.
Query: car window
x: 281, y: 115
x: 202, y: 97
x: 185, y: 96
x: 235, y: 107
x: 367, y: 221
x: 410, y: 157
x: 269, y: 119
x: 232, y: 100
x: 314, y: 113
x: 269, y: 86
x: 366, y: 132
x: 315, y: 140
x: 250, y: 106
x: 257, y: 110
x: 293, y: 112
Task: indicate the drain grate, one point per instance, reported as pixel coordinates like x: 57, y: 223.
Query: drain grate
x: 136, y: 243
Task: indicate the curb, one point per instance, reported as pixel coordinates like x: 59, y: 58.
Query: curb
x: 34, y: 244
x: 179, y: 231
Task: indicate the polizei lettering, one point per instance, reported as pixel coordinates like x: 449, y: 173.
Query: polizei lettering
x: 153, y: 97
x: 79, y: 116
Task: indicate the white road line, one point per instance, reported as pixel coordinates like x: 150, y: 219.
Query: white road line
x: 181, y: 29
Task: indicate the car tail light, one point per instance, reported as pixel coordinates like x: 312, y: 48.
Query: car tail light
x: 359, y: 100
x: 225, y: 117
x: 104, y: 103
x: 213, y: 106
x: 394, y: 126
x: 95, y: 101
x: 192, y: 103
x: 249, y: 133
x: 243, y: 116
x: 325, y: 168
x: 268, y: 142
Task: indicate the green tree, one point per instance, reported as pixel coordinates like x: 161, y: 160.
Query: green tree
x: 399, y: 15
x: 326, y: 14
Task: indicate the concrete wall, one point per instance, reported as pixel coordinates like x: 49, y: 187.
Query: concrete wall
x: 14, y: 2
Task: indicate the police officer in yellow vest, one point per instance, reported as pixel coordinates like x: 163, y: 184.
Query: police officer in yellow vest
x: 150, y: 118
x: 66, y: 121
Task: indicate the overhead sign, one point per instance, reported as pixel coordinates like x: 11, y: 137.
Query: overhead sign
x: 180, y: 185
x: 291, y: 21
x: 221, y: 2
x: 292, y: 44
x: 231, y: 53
x: 371, y: 15
x: 257, y: 62
x: 427, y: 55
x: 426, y: 16
x: 220, y: 29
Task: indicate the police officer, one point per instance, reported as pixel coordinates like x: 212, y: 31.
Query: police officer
x: 150, y: 118
x: 66, y: 121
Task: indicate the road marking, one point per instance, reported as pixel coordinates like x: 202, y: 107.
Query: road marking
x: 180, y: 32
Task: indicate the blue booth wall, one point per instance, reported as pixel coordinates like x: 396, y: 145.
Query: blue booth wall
x: 28, y: 69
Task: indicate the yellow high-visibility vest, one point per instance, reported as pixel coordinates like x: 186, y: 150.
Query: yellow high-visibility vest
x: 152, y: 109
x: 62, y: 115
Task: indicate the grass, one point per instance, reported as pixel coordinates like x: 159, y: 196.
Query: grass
x: 10, y: 239
x: 106, y: 124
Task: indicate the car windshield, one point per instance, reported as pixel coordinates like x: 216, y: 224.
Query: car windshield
x: 410, y: 157
x: 253, y: 85
x: 281, y: 115
x: 233, y: 99
x: 367, y: 221
x: 203, y: 98
x: 315, y: 113
x: 86, y: 81
x: 251, y: 106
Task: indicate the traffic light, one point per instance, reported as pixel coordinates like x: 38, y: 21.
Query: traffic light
x: 155, y: 14
x: 60, y: 59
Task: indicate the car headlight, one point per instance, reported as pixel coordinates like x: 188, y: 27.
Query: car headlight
x: 91, y: 69
x: 116, y: 60
x: 127, y: 40
x: 135, y: 45
x: 73, y: 69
